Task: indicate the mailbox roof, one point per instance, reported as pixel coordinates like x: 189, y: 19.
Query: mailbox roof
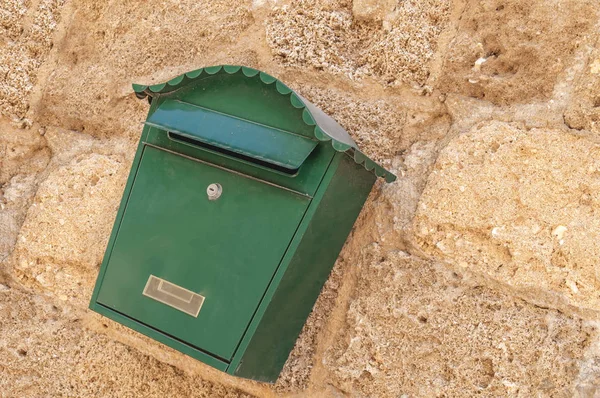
x: 325, y: 128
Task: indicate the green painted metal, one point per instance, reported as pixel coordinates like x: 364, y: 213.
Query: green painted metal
x: 227, y: 95
x: 237, y: 94
x: 187, y: 349
x: 233, y: 134
x: 121, y: 211
x: 266, y: 302
x: 305, y: 269
x: 226, y: 250
x: 293, y: 183
x: 306, y: 180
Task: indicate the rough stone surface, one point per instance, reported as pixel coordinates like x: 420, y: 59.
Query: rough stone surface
x: 519, y: 206
x: 16, y: 195
x: 26, y: 31
x: 372, y: 10
x: 23, y: 154
x: 325, y: 36
x: 583, y: 112
x: 112, y: 44
x: 419, y: 329
x: 505, y: 51
x: 588, y: 380
x: 395, y: 210
x: 398, y: 124
x: 65, y: 233
x: 54, y: 355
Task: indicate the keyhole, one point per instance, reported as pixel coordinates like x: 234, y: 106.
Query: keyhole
x: 214, y: 191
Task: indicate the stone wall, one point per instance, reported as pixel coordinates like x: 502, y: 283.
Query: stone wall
x: 476, y: 273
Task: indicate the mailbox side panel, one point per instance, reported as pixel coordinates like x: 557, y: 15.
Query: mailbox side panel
x: 299, y: 280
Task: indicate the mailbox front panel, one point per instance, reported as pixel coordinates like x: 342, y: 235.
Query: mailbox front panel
x: 194, y: 262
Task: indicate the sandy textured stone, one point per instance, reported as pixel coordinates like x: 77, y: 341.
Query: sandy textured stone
x: 26, y: 30
x: 110, y: 45
x: 372, y: 10
x: 45, y: 351
x: 362, y: 118
x: 383, y: 128
x: 64, y: 236
x: 395, y: 207
x: 588, y: 380
x: 15, y: 197
x: 23, y: 154
x: 325, y: 36
x: 505, y: 51
x: 583, y: 112
x: 519, y: 206
x: 467, y: 112
x: 419, y: 329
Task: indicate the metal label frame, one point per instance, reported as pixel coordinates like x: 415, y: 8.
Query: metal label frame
x: 173, y: 295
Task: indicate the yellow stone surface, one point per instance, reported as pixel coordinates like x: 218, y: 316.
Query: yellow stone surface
x: 63, y: 239
x: 522, y: 207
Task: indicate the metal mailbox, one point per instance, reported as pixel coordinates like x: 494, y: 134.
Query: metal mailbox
x: 239, y: 200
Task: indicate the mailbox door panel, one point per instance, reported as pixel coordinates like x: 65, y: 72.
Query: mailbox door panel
x: 191, y: 267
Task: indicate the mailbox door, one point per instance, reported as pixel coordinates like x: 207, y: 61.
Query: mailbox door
x: 191, y: 267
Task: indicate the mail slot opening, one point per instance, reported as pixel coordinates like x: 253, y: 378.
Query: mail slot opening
x: 235, y: 155
x: 242, y: 138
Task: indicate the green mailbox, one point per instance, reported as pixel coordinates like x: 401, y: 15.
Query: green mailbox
x: 239, y: 200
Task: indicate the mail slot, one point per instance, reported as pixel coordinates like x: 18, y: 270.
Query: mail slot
x: 239, y: 200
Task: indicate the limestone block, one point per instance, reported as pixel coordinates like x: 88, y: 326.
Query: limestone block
x: 64, y: 236
x: 26, y: 38
x: 23, y: 154
x: 110, y: 45
x: 418, y: 329
x: 396, y: 205
x: 583, y: 111
x: 520, y: 207
x: 14, y: 198
x: 505, y: 51
x: 372, y: 10
x: 324, y: 36
x: 46, y: 351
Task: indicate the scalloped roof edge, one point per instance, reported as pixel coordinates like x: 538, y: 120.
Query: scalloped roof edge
x: 325, y: 128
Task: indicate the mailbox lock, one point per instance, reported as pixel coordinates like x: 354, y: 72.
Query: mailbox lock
x: 214, y: 191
